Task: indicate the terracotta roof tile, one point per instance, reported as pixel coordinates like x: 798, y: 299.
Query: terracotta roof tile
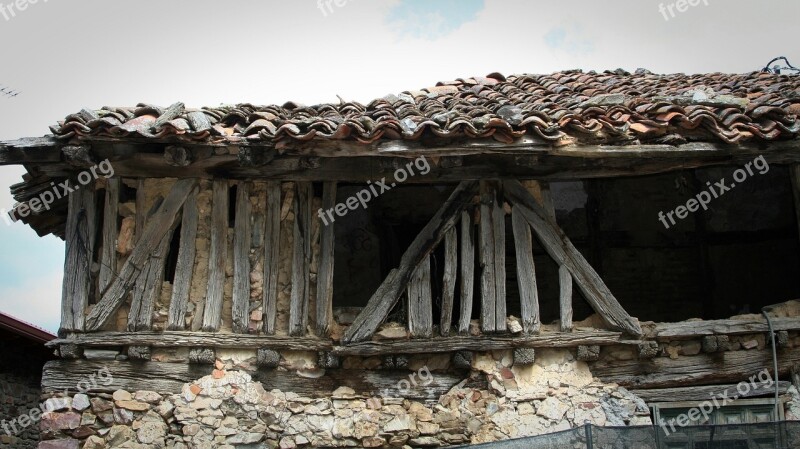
x: 610, y: 107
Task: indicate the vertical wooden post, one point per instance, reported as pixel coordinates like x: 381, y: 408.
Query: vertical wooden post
x: 486, y: 254
x: 467, y: 271
x: 108, y: 260
x: 80, y: 240
x: 272, y: 238
x: 420, y: 303
x: 324, y: 301
x: 526, y: 273
x: 565, y: 298
x: 301, y: 255
x: 242, y: 237
x: 212, y: 313
x: 449, y: 281
x: 499, y: 234
x: 184, y: 267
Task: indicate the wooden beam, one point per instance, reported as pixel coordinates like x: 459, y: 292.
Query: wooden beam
x: 324, y: 302
x: 686, y: 330
x: 162, y: 222
x: 499, y: 237
x: 486, y: 253
x: 184, y: 268
x: 108, y: 260
x: 142, y: 286
x: 561, y: 249
x: 449, y: 281
x: 526, y: 274
x: 272, y: 238
x: 242, y: 238
x: 705, y: 392
x: 565, y: 298
x: 301, y: 258
x: 32, y: 150
x: 467, y: 271
x: 190, y: 339
x: 420, y: 302
x: 212, y: 312
x: 389, y: 292
x: 148, y: 287
x: 79, y: 252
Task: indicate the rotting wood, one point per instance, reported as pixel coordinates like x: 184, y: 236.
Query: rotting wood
x: 184, y: 267
x: 150, y: 281
x: 162, y: 222
x: 420, y: 303
x: 174, y: 339
x: 526, y: 273
x: 141, y: 214
x: 242, y: 237
x: 695, y: 329
x: 144, y: 280
x: 165, y: 378
x: 449, y: 281
x: 467, y: 272
x: 701, y: 393
x: 108, y: 260
x: 561, y: 249
x: 79, y: 251
x: 271, y: 255
x: 301, y: 256
x: 499, y: 240
x: 486, y: 253
x: 212, y: 313
x: 324, y: 302
x: 565, y: 298
x: 387, y: 295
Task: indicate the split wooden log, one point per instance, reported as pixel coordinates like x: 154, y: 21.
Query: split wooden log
x: 148, y: 287
x: 387, y: 295
x: 184, y: 267
x: 526, y: 274
x: 242, y: 237
x: 301, y: 258
x: 161, y: 223
x: 565, y: 298
x: 561, y: 249
x: 324, y: 303
x: 80, y: 241
x: 486, y: 253
x: 449, y: 281
x: 467, y: 271
x: 108, y: 260
x: 420, y: 302
x: 212, y: 313
x: 271, y: 255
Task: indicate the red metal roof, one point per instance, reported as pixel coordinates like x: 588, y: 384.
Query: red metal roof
x: 24, y: 329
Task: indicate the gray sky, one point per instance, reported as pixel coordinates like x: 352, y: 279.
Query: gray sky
x: 65, y: 55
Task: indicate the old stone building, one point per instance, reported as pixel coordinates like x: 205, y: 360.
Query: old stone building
x: 23, y: 351
x: 487, y: 259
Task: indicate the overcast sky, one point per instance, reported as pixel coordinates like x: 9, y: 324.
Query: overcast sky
x: 65, y: 55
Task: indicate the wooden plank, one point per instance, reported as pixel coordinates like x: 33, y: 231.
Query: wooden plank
x: 159, y: 225
x: 389, y: 292
x: 108, y: 260
x: 686, y: 330
x: 301, y: 257
x: 141, y: 205
x: 272, y: 240
x: 449, y: 281
x: 184, y: 268
x: 702, y: 393
x: 148, y: 288
x: 499, y: 238
x: 526, y: 274
x: 191, y: 339
x: 212, y: 313
x: 565, y: 298
x: 561, y: 249
x: 420, y: 303
x: 242, y: 238
x: 168, y: 378
x: 467, y: 271
x: 143, y: 282
x: 79, y: 251
x: 486, y: 254
x: 324, y: 302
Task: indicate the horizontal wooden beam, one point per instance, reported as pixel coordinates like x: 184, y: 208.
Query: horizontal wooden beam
x: 193, y: 340
x: 704, y: 393
x: 59, y: 375
x: 686, y: 330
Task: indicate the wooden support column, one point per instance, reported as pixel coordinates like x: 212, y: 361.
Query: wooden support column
x: 526, y: 274
x: 449, y: 281
x: 148, y: 287
x: 492, y: 258
x: 301, y: 257
x: 212, y: 312
x: 324, y: 303
x: 420, y: 303
x: 242, y: 238
x: 565, y: 298
x: 159, y: 225
x: 387, y: 295
x: 564, y: 252
x: 184, y: 267
x: 80, y: 241
x: 108, y: 260
x: 272, y: 240
x: 467, y: 271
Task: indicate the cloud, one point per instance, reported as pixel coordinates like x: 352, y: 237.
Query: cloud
x: 432, y: 19
x: 572, y: 42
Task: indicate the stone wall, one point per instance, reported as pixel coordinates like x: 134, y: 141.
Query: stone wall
x: 20, y: 394
x: 227, y: 409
